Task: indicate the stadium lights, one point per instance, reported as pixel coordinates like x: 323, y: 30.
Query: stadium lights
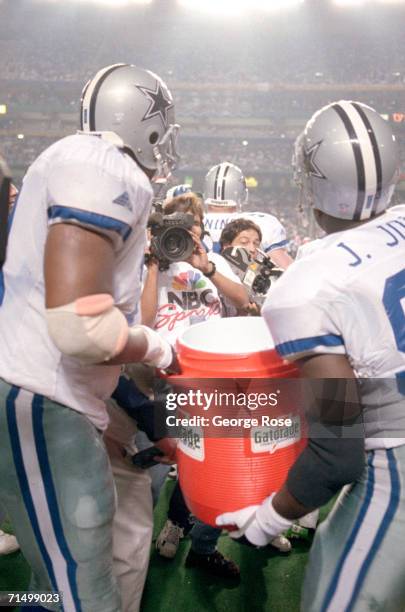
x: 118, y: 3
x: 271, y: 5
x: 350, y: 2
x: 111, y: 3
x: 363, y: 2
x: 237, y: 7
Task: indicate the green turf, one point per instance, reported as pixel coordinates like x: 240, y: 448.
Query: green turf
x: 271, y: 581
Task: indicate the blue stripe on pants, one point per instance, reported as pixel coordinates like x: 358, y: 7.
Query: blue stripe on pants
x: 383, y: 528
x: 40, y: 443
x: 356, y: 528
x: 23, y: 480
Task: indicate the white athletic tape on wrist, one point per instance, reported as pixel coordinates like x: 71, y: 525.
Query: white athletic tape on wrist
x: 259, y: 524
x: 158, y: 352
x: 90, y: 329
x: 269, y: 520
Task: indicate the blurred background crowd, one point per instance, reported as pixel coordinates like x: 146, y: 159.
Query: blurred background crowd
x: 243, y: 88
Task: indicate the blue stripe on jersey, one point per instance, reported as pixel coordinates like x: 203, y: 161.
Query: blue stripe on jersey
x: 400, y: 376
x: 90, y: 218
x: 352, y: 537
x: 1, y: 287
x: 216, y: 247
x: 40, y: 444
x: 306, y: 344
x: 23, y: 481
x: 383, y: 528
x: 276, y: 245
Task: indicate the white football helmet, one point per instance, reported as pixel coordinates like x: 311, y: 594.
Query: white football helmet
x: 136, y: 106
x: 177, y: 190
x: 225, y: 186
x: 346, y: 161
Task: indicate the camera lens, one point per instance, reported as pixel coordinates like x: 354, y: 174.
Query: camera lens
x: 176, y: 244
x: 261, y: 284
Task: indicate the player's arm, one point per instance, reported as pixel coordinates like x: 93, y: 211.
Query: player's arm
x: 280, y: 258
x: 334, y: 455
x: 329, y: 461
x: 82, y: 319
x: 80, y: 263
x: 275, y: 242
x: 149, y: 298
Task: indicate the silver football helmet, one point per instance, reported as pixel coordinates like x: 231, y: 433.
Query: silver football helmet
x: 346, y: 161
x: 225, y: 186
x: 136, y: 106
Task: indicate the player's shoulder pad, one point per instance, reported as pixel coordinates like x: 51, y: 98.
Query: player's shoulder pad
x: 318, y: 275
x: 105, y: 192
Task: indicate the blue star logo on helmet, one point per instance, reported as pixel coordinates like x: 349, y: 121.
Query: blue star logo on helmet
x: 309, y: 161
x: 159, y: 104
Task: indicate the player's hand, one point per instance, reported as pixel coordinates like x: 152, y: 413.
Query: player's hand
x: 175, y: 367
x: 168, y: 446
x: 258, y: 524
x: 252, y: 310
x: 245, y: 521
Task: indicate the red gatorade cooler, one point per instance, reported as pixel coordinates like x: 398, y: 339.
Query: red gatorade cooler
x: 244, y: 416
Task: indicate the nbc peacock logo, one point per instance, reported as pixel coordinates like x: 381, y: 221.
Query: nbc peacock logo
x: 188, y: 281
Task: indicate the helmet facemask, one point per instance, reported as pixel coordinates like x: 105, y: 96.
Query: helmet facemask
x: 165, y: 153
x: 300, y: 175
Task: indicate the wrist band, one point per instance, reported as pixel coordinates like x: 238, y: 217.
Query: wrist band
x: 214, y: 269
x: 269, y: 520
x: 158, y: 352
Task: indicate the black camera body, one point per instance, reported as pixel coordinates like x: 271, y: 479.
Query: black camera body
x: 256, y: 274
x: 171, y: 240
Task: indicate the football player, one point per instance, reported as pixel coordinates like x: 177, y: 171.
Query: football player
x: 177, y: 190
x: 339, y: 313
x: 69, y: 298
x: 225, y: 194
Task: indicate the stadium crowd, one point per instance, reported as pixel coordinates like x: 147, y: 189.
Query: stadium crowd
x: 315, y: 53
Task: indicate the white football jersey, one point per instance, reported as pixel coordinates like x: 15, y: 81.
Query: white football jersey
x: 348, y: 297
x: 84, y: 180
x: 273, y: 233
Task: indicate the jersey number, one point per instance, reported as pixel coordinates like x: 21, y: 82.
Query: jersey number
x: 394, y: 292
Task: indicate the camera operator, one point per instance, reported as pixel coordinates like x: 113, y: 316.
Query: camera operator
x: 241, y: 233
x: 245, y: 234
x: 187, y: 291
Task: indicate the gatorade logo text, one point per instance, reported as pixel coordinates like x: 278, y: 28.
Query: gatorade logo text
x: 271, y: 439
x: 191, y: 440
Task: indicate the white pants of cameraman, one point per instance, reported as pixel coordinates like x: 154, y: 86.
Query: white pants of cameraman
x: 133, y: 520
